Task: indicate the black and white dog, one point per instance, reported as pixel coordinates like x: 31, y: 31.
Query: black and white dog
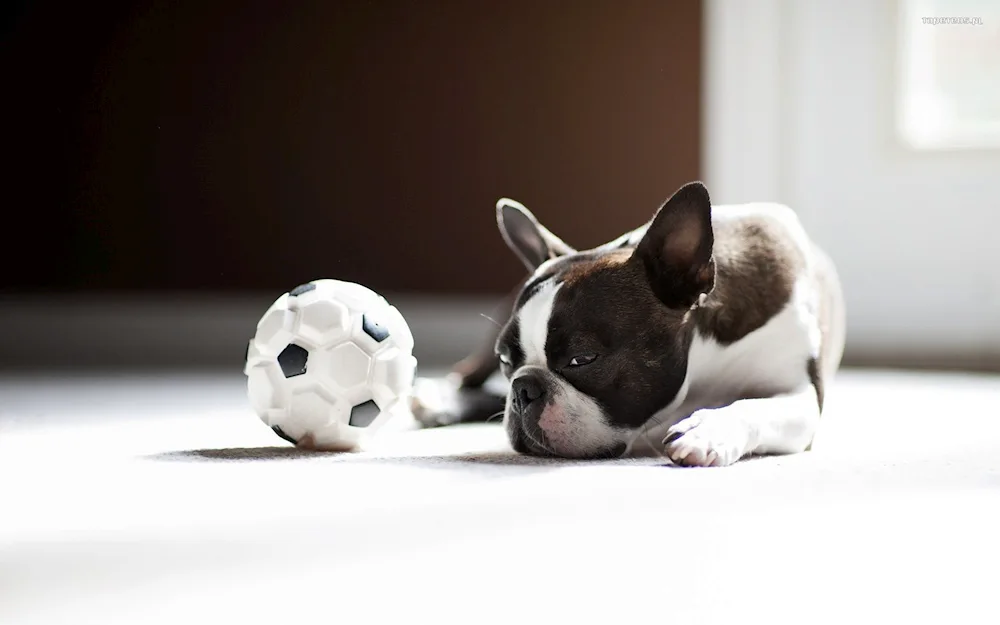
x: 710, y: 330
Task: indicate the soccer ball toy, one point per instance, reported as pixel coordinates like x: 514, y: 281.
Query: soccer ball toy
x: 330, y: 363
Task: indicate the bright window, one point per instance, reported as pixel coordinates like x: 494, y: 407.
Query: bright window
x: 949, y: 74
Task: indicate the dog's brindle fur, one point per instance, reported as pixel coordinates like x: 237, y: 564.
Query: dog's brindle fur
x: 640, y: 300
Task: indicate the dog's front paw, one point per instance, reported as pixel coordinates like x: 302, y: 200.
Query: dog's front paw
x: 704, y: 441
x: 445, y: 401
x: 435, y: 402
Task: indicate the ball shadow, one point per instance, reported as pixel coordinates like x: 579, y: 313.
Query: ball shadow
x: 230, y: 454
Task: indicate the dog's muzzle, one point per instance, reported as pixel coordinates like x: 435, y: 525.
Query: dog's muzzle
x: 531, y: 393
x: 528, y: 397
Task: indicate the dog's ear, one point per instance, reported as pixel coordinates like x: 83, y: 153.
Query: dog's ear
x: 676, y: 249
x: 530, y: 240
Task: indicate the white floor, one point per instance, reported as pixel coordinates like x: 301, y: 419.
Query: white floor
x: 163, y: 500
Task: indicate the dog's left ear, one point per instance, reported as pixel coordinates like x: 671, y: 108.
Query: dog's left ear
x: 676, y: 250
x: 530, y: 240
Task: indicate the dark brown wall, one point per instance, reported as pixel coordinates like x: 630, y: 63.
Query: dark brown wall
x: 245, y: 145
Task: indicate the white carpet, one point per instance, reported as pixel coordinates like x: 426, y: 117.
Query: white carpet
x: 164, y: 500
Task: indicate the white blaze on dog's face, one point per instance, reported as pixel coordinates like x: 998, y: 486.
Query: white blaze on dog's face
x: 597, y: 343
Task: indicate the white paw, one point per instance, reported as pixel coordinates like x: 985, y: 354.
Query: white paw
x: 707, y: 440
x: 434, y: 401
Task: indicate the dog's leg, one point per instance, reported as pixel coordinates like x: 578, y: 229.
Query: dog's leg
x: 460, y: 397
x: 783, y: 424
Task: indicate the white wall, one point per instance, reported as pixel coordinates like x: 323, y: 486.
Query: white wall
x: 800, y: 109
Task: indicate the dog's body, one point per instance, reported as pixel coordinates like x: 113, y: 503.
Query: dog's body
x: 709, y: 333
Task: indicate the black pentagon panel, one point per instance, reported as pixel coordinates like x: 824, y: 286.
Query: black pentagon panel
x: 277, y: 430
x: 293, y: 360
x: 302, y: 288
x: 373, y: 329
x: 362, y: 415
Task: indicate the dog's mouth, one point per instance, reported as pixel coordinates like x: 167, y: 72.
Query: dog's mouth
x: 534, y: 443
x: 616, y: 450
x: 529, y: 443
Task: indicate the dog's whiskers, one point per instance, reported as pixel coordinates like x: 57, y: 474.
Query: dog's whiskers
x: 537, y: 440
x: 644, y: 432
x: 494, y: 416
x: 488, y: 318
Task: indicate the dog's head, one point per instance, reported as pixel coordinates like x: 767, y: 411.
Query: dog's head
x: 597, y: 341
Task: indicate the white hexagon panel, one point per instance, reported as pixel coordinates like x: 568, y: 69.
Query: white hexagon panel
x: 331, y: 362
x: 267, y: 388
x: 392, y: 375
x: 320, y: 319
x: 349, y: 366
x: 275, y: 328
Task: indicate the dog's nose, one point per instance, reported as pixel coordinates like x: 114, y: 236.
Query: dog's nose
x: 525, y: 390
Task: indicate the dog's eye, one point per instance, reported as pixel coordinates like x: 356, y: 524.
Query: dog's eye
x: 585, y: 359
x: 504, y: 359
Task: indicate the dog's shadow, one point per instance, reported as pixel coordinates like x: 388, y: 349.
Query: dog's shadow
x: 487, y: 459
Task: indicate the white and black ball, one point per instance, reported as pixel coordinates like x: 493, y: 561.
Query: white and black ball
x: 330, y: 363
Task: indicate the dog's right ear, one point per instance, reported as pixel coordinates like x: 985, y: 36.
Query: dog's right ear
x: 530, y: 240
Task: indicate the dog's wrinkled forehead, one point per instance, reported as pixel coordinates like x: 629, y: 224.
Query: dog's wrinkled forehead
x: 524, y: 338
x: 553, y: 272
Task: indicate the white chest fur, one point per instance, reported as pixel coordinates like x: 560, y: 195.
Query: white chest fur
x: 770, y: 360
